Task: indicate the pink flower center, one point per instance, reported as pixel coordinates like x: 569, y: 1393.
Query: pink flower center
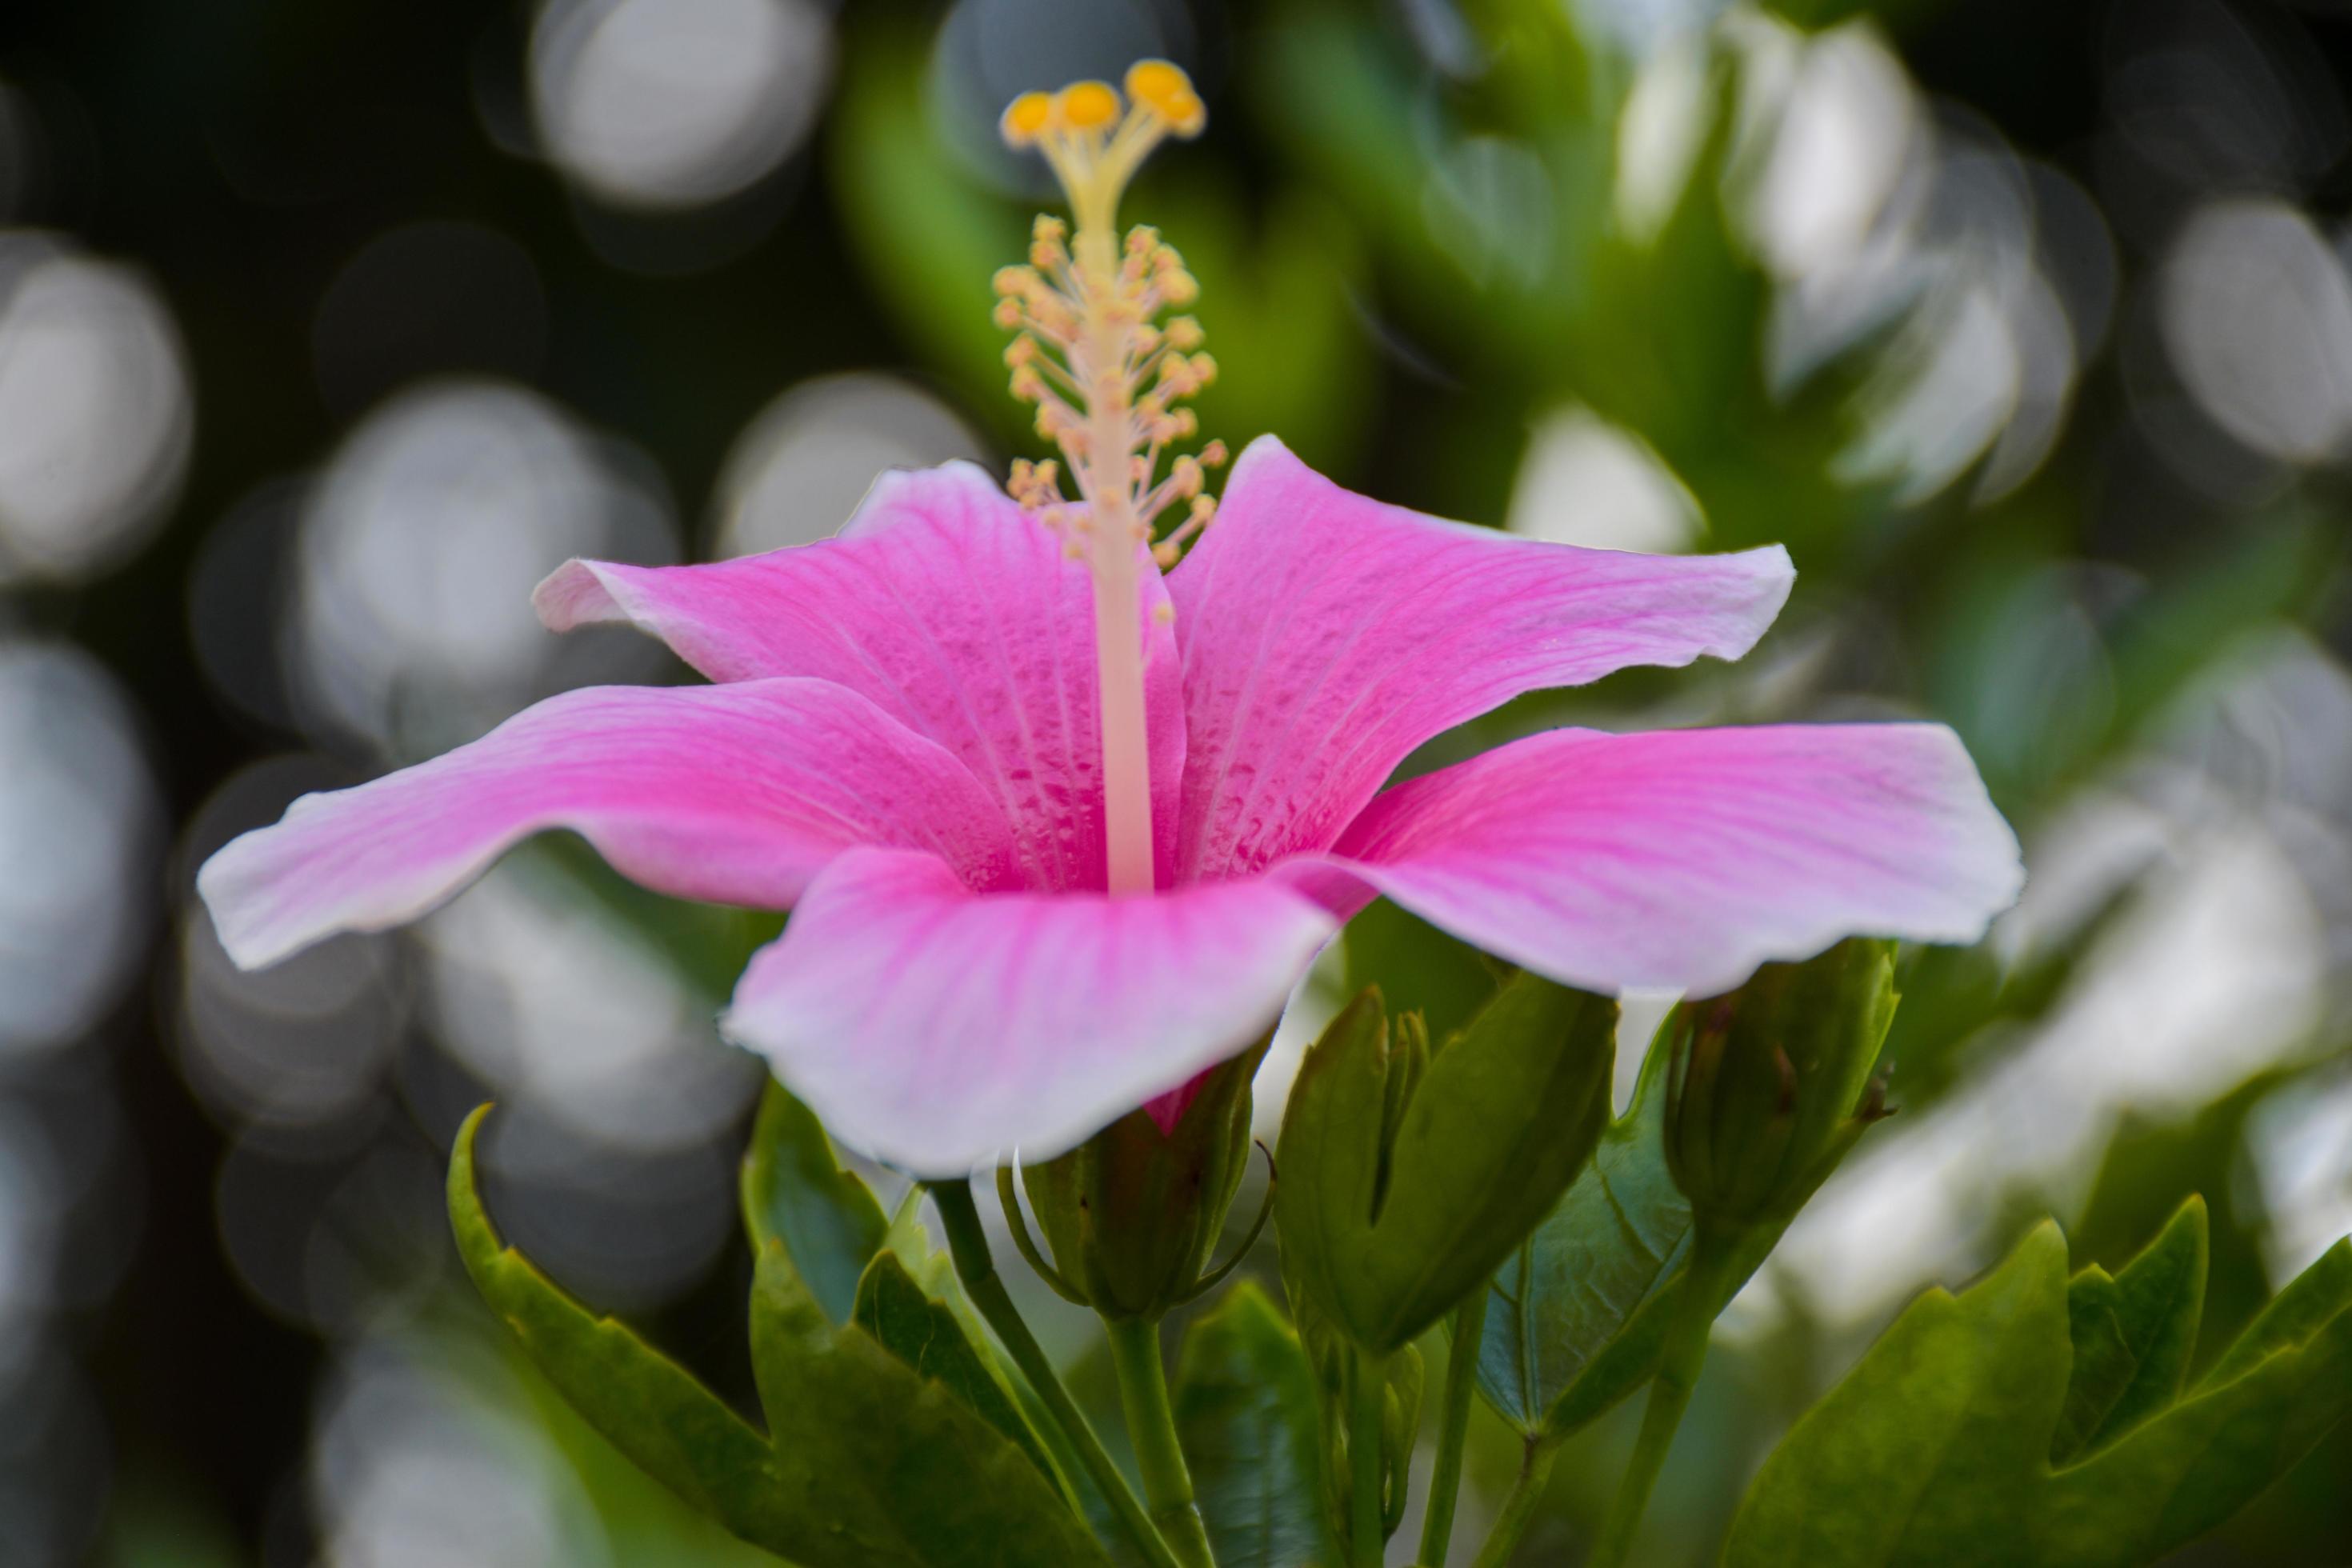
x: 1090, y: 350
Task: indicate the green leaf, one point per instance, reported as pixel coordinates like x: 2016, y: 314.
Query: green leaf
x: 1386, y: 1235
x: 866, y: 1462
x: 795, y: 1192
x: 645, y: 1404
x: 2268, y: 1401
x: 908, y: 1472
x: 2313, y: 1299
x: 1934, y: 1448
x: 1245, y: 1411
x: 927, y: 1335
x: 1577, y: 1316
x: 1919, y: 1454
x: 2133, y: 1334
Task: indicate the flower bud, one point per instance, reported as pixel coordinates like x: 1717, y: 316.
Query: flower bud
x: 1132, y: 1214
x: 1411, y: 1171
x: 1771, y: 1083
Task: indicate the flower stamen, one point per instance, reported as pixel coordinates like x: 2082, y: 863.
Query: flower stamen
x: 1091, y: 353
x: 1090, y: 350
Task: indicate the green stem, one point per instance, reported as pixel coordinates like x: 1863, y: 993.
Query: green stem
x: 977, y: 1269
x: 1461, y: 1377
x: 1678, y: 1367
x: 1151, y: 1425
x: 1367, y: 1541
x: 1520, y: 1508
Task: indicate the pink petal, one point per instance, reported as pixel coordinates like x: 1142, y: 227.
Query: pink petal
x: 960, y: 616
x: 1682, y: 859
x: 731, y: 793
x: 1325, y: 636
x: 938, y: 1029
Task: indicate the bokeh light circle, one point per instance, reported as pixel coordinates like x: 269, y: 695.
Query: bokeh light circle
x: 676, y: 104
x: 96, y: 411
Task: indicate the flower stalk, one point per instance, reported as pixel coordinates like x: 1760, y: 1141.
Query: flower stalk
x: 974, y: 1265
x: 1453, y: 1428
x: 1520, y: 1508
x: 1366, y: 1539
x: 1151, y: 1427
x: 1684, y: 1352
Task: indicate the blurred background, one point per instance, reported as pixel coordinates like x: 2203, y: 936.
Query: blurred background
x: 325, y: 331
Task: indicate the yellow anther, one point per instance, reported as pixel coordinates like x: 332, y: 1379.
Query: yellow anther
x: 1027, y: 117
x: 1155, y: 81
x: 1212, y: 455
x: 1087, y: 105
x: 1167, y: 92
x: 1089, y: 349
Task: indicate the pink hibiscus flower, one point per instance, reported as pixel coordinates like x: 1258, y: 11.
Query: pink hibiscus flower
x: 903, y: 748
x: 1058, y: 832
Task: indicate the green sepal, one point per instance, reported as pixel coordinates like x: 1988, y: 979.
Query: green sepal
x: 1335, y: 1364
x: 1418, y: 967
x: 1133, y: 1214
x: 646, y: 1405
x: 795, y: 1192
x: 1404, y: 1379
x: 1405, y: 1185
x: 1577, y: 1316
x: 2133, y: 1334
x: 930, y: 1339
x: 1772, y: 1082
x: 1245, y: 1413
x: 1935, y: 1447
x: 907, y: 1472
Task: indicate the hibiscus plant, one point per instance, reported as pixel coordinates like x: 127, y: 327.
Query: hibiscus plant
x: 1065, y: 785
